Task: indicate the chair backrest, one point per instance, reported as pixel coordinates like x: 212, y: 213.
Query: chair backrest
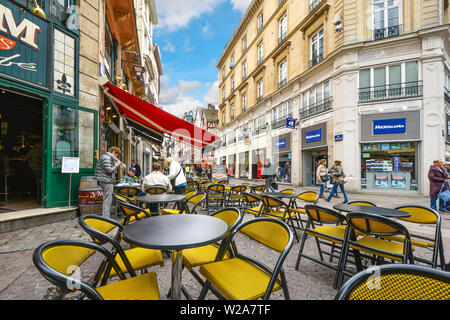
x: 126, y: 190
x: 59, y: 262
x: 308, y: 196
x: 375, y: 225
x: 260, y: 188
x: 362, y: 203
x: 422, y: 215
x: 192, y: 184
x: 156, y: 190
x: 197, y: 199
x: 129, y: 210
x: 323, y: 215
x: 251, y: 198
x: 231, y: 216
x: 224, y: 181
x: 290, y: 191
x: 215, y: 188
x: 272, y: 202
x: 397, y: 282
x: 189, y: 194
x: 271, y: 233
x: 238, y: 189
x: 121, y: 197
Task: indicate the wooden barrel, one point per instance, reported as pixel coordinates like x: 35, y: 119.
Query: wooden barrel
x: 90, y: 196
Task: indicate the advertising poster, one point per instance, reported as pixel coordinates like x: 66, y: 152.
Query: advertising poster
x: 398, y: 182
x: 381, y: 181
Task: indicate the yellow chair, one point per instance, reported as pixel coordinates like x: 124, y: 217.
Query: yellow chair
x: 373, y: 227
x: 310, y: 197
x: 258, y: 189
x: 397, y: 282
x: 195, y: 200
x: 215, y: 197
x: 156, y: 190
x: 362, y: 203
x: 195, y: 257
x: 253, y: 204
x: 235, y: 197
x: 131, y: 212
x: 326, y: 226
x: 60, y: 262
x: 129, y: 260
x: 423, y: 215
x: 244, y: 278
x: 277, y: 209
x: 290, y: 191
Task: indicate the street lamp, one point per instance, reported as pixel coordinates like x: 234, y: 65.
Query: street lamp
x: 139, y: 71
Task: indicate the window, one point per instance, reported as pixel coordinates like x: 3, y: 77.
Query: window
x: 110, y: 53
x: 223, y: 94
x: 260, y: 53
x: 386, y: 19
x: 317, y: 43
x: 58, y: 9
x: 232, y: 111
x: 223, y: 117
x: 64, y: 66
x: 282, y: 74
x: 244, y: 70
x: 281, y: 113
x: 232, y: 84
x: 65, y: 134
x: 260, y: 22
x: 316, y: 100
x: 260, y: 90
x: 259, y: 125
x: 244, y: 102
x: 282, y: 28
x: 244, y: 43
x: 224, y: 74
x: 313, y: 4
x: 394, y: 81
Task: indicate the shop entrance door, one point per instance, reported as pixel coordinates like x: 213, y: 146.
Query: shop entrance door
x: 316, y: 157
x: 21, y: 151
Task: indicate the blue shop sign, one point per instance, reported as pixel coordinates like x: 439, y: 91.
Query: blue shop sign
x: 24, y: 50
x: 389, y: 126
x: 313, y: 136
x: 290, y: 123
x: 281, y: 143
x: 338, y: 137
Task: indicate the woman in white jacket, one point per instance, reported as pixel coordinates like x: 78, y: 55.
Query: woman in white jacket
x: 176, y: 176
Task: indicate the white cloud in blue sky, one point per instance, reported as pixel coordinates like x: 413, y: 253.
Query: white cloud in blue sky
x: 192, y: 35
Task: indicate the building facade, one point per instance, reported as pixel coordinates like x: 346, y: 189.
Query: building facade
x: 364, y: 82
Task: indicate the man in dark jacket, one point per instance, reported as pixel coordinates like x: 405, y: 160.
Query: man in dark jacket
x: 104, y: 174
x: 437, y: 176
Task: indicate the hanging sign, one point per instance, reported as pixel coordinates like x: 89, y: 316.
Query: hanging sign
x: 23, y: 45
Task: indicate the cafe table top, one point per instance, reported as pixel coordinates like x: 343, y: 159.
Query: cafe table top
x: 386, y: 212
x: 161, y: 198
x: 175, y: 232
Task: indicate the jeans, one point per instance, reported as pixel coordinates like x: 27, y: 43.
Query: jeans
x: 433, y: 200
x: 322, y: 189
x: 334, y: 189
x: 269, y: 187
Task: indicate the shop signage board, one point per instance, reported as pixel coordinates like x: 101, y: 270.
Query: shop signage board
x: 389, y: 126
x: 313, y: 136
x: 281, y: 143
x: 290, y: 123
x: 338, y: 137
x: 24, y: 52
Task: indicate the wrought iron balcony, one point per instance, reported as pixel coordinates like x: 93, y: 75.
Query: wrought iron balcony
x: 389, y: 32
x: 282, y: 83
x: 315, y: 59
x: 391, y: 92
x: 316, y: 108
x: 280, y: 122
x: 259, y: 99
x: 447, y: 95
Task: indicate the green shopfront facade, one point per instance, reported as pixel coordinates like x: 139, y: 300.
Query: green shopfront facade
x: 39, y: 60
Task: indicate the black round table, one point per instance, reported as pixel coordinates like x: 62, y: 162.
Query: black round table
x: 175, y: 232
x: 385, y: 212
x: 161, y: 198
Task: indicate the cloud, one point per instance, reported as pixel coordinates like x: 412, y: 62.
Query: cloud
x: 182, y: 105
x: 169, y: 47
x: 206, y: 30
x: 177, y: 14
x: 213, y: 94
x: 241, y: 5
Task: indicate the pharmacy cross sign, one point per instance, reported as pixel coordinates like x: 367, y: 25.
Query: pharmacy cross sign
x: 23, y: 44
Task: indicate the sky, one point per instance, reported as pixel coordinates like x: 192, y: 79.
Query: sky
x: 191, y: 35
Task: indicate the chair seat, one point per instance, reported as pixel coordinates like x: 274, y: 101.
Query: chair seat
x: 380, y: 244
x: 140, y: 215
x: 142, y: 287
x: 139, y: 258
x: 195, y: 257
x: 279, y: 214
x: 326, y: 232
x: 422, y: 244
x: 255, y: 210
x: 172, y: 211
x: 237, y: 279
x: 298, y: 210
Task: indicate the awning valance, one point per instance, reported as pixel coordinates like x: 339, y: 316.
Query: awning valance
x: 149, y: 115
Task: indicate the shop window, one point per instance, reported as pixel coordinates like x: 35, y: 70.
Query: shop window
x: 65, y: 134
x: 64, y: 63
x: 389, y: 166
x: 243, y: 164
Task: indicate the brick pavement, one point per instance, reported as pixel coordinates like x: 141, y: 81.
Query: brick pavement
x: 19, y: 279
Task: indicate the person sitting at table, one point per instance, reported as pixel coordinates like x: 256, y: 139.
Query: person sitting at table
x: 156, y: 178
x: 131, y: 177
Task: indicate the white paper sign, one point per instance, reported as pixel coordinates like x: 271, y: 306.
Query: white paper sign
x: 70, y: 165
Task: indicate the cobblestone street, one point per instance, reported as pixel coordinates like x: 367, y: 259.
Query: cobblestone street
x: 20, y: 280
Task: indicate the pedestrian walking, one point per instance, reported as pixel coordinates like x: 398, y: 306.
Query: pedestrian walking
x: 106, y: 168
x: 176, y: 176
x: 187, y: 170
x: 228, y: 173
x: 322, y: 176
x: 437, y: 176
x: 269, y: 173
x: 338, y: 181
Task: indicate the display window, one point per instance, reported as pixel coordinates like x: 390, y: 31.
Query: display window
x: 389, y: 166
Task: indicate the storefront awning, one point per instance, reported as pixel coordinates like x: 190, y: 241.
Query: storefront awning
x: 157, y: 119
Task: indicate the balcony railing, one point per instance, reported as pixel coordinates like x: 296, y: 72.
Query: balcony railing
x: 314, y: 4
x: 447, y: 95
x: 259, y: 99
x: 389, y: 32
x: 282, y: 83
x: 391, y: 92
x: 315, y: 59
x: 316, y: 108
x: 280, y: 122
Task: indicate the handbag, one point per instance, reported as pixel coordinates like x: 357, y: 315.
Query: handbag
x: 172, y: 182
x: 444, y: 195
x: 325, y: 178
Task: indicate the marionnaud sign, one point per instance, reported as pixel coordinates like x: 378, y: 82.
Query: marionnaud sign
x: 389, y: 126
x: 281, y: 143
x: 313, y: 136
x: 23, y: 44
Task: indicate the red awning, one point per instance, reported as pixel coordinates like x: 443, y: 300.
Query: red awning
x: 149, y: 115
